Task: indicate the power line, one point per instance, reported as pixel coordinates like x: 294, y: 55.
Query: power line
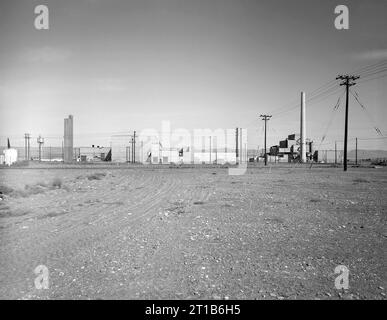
x: 378, y: 138
x: 376, y: 72
x: 311, y: 101
x: 353, y: 139
x: 375, y: 78
x: 356, y: 96
x: 325, y: 90
x: 369, y: 67
x: 308, y: 100
x: 335, y: 108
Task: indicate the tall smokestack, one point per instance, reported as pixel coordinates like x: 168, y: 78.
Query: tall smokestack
x: 68, y: 139
x: 303, y: 130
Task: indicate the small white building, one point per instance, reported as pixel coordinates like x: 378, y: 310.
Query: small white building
x: 10, y: 156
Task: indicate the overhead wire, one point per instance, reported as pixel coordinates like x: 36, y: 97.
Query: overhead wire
x: 376, y: 128
x: 335, y: 108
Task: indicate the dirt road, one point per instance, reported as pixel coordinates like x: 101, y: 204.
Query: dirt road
x: 151, y: 233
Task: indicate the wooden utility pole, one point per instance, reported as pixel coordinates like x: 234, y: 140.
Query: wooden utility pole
x: 335, y: 152
x: 240, y: 145
x: 311, y: 149
x: 356, y: 153
x: 134, y: 146
x: 142, y: 151
x: 216, y: 150
x: 210, y: 149
x: 27, y: 146
x: 131, y: 150
x: 265, y: 117
x: 236, y: 147
x: 348, y: 81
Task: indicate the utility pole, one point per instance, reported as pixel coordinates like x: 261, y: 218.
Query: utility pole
x: 134, y: 147
x: 265, y: 117
x: 240, y: 145
x: 142, y: 151
x: 236, y: 146
x: 311, y: 149
x: 216, y: 152
x: 27, y: 146
x: 131, y: 150
x: 210, y: 149
x: 356, y: 153
x: 348, y: 81
x: 335, y: 152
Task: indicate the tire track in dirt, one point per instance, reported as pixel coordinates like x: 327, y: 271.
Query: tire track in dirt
x: 138, y: 227
x: 83, y: 241
x: 155, y: 194
x: 141, y: 256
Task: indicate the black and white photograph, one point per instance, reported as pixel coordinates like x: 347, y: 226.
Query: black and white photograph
x: 193, y: 150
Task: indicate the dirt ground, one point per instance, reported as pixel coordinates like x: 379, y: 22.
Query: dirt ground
x: 192, y: 233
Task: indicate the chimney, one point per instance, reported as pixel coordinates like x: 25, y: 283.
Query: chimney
x: 303, y: 130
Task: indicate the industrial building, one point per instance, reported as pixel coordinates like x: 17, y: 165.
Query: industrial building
x: 9, y: 155
x: 181, y: 148
x: 296, y: 147
x: 93, y: 153
x: 289, y: 150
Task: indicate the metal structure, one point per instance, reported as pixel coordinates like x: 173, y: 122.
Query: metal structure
x: 40, y: 141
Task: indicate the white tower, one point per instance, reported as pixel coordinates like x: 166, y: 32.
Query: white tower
x: 303, y: 130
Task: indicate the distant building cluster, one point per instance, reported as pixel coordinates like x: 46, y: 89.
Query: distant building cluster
x: 289, y: 150
x: 196, y: 149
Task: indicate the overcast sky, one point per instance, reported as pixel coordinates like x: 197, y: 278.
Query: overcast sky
x: 128, y: 65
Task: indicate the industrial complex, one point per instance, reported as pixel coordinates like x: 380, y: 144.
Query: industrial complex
x: 174, y: 147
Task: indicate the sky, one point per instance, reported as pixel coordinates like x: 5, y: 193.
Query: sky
x: 119, y: 66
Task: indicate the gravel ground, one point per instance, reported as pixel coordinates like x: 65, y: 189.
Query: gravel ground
x: 168, y: 233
